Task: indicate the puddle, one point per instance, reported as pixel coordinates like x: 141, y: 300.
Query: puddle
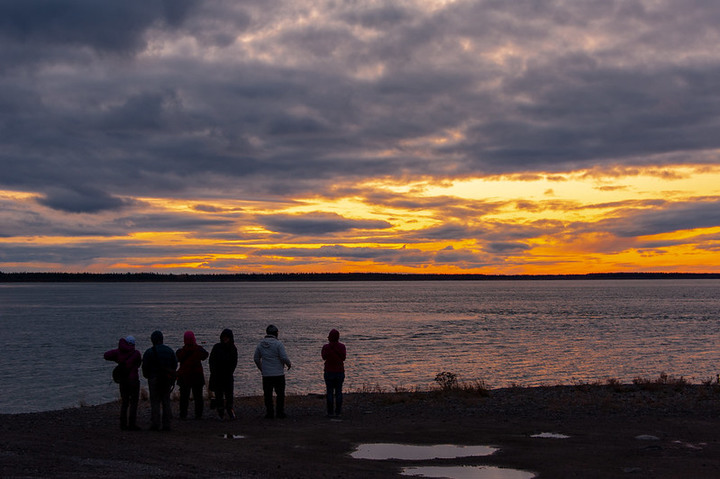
x: 232, y: 436
x: 551, y: 435
x: 467, y: 472
x: 383, y: 451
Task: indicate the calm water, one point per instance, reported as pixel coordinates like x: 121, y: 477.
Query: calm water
x: 398, y: 334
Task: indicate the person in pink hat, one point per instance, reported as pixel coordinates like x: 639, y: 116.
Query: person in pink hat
x: 129, y: 360
x: 191, y: 377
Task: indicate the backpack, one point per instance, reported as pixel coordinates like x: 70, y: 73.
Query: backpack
x: 120, y: 373
x: 166, y: 376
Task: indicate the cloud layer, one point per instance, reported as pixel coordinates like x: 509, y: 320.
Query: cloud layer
x: 279, y: 135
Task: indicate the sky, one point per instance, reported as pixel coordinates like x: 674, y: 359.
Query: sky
x: 408, y: 136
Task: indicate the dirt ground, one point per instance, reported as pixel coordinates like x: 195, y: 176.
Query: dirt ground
x: 606, y: 425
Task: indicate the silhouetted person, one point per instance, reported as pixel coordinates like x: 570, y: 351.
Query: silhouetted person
x: 334, y: 354
x: 159, y: 365
x: 190, y: 374
x: 128, y: 360
x: 271, y: 359
x: 223, y: 361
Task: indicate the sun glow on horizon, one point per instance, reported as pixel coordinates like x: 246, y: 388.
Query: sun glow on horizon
x: 572, y: 222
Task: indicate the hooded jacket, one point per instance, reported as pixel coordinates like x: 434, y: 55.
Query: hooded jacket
x: 271, y: 357
x: 334, y: 353
x: 128, y: 356
x: 224, y: 356
x: 190, y: 357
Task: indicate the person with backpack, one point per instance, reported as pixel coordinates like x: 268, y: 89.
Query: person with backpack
x: 126, y: 375
x: 223, y: 361
x: 190, y: 374
x: 159, y: 367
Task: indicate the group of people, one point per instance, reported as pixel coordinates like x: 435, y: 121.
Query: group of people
x: 160, y: 367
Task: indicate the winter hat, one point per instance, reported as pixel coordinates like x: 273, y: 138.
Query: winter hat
x: 156, y: 337
x: 189, y: 338
x: 130, y: 340
x: 334, y: 335
x: 227, y: 333
x: 272, y: 330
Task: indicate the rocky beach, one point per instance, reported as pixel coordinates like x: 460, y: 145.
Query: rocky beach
x: 659, y: 429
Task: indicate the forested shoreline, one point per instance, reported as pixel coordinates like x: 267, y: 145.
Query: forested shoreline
x: 35, y: 277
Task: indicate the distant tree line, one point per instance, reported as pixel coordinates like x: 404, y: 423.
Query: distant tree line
x: 270, y: 277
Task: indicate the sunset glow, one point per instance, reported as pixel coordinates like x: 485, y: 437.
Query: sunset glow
x: 225, y: 138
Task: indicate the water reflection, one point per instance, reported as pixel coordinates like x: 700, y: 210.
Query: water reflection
x: 551, y: 435
x: 467, y: 472
x: 384, y: 451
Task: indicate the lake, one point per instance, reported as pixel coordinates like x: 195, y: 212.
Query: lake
x: 398, y: 334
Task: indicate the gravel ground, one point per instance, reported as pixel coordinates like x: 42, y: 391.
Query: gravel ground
x: 657, y: 431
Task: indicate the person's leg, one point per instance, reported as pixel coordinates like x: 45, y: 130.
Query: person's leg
x: 228, y: 386
x: 329, y: 386
x: 184, y: 400
x: 166, y: 408
x: 199, y: 400
x: 125, y: 402
x: 280, y: 400
x: 155, y: 401
x: 220, y: 398
x: 134, y: 398
x: 267, y: 393
x: 339, y: 393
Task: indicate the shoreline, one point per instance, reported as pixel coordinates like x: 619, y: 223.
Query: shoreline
x: 603, y: 423
x: 145, y: 277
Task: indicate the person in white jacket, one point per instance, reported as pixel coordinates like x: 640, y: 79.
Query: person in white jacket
x: 271, y: 359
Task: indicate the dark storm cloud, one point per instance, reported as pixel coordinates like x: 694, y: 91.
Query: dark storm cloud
x: 675, y: 217
x: 331, y: 251
x: 326, y: 100
x: 81, y: 200
x: 110, y: 25
x: 506, y: 247
x: 318, y: 223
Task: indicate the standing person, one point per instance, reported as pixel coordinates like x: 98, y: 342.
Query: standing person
x: 223, y: 361
x: 334, y: 354
x: 159, y: 362
x: 128, y: 360
x: 190, y: 374
x: 271, y: 359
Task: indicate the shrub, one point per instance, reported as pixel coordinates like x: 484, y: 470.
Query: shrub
x: 447, y: 380
x: 663, y: 381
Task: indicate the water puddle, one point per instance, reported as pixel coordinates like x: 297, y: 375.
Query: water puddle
x: 551, y: 435
x: 467, y: 472
x: 407, y: 452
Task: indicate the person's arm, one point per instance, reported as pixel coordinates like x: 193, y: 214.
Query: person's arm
x: 111, y: 355
x: 213, y: 362
x: 136, y: 360
x: 147, y: 366
x: 233, y: 360
x: 342, y: 352
x: 284, y: 357
x: 258, y: 358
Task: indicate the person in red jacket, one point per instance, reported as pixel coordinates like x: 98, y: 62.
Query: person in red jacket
x: 334, y: 354
x: 129, y: 361
x: 190, y: 374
